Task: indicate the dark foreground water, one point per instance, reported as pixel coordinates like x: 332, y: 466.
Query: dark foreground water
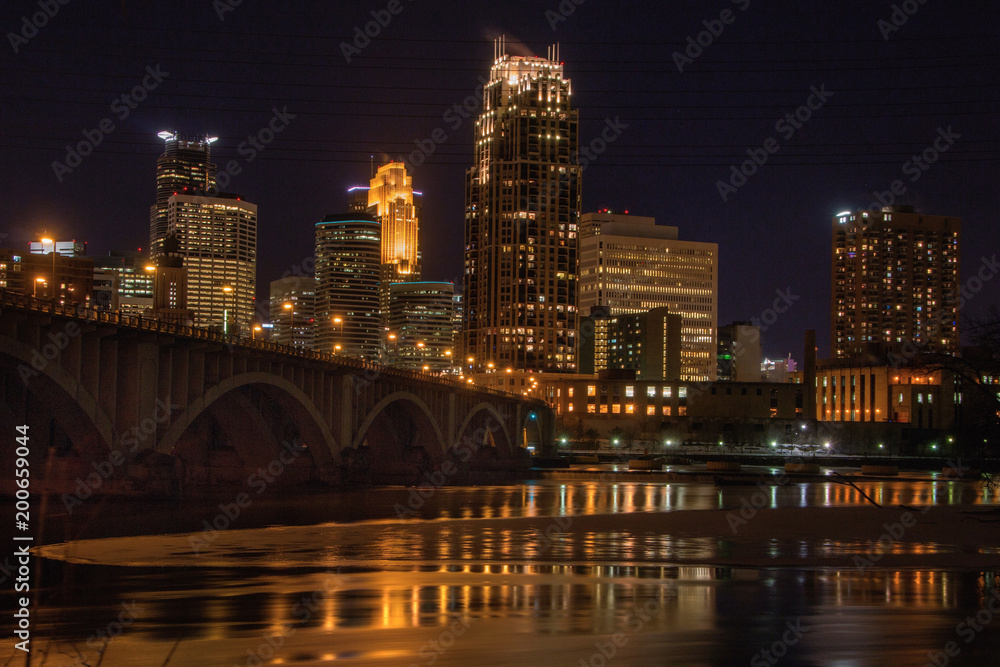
x: 339, y: 580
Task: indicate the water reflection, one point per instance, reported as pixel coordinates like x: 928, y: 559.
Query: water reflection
x: 719, y: 615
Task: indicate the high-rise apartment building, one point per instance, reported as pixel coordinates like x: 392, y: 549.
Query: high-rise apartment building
x: 521, y: 215
x: 185, y: 167
x: 629, y: 264
x: 292, y: 311
x: 348, y: 263
x: 895, y: 282
x: 217, y: 240
x: 421, y: 326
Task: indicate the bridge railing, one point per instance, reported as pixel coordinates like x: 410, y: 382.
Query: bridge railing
x: 80, y: 311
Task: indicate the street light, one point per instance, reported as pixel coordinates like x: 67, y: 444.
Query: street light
x: 420, y: 353
x: 225, y: 309
x: 152, y: 269
x: 338, y: 324
x: 392, y: 339
x: 290, y: 307
x: 52, y: 285
x: 38, y: 280
x: 256, y: 330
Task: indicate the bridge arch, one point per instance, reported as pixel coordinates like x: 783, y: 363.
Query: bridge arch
x: 486, y: 413
x: 86, y: 425
x: 422, y: 413
x: 315, y: 431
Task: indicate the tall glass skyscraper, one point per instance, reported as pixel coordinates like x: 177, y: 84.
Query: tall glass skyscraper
x: 185, y: 167
x: 348, y: 260
x: 521, y: 217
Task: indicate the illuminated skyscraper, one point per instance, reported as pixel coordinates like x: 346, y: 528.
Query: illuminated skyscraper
x: 185, y: 167
x: 391, y: 201
x: 217, y: 239
x: 348, y: 253
x: 895, y: 281
x: 630, y: 264
x: 521, y: 215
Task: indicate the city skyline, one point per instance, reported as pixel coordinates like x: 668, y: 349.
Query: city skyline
x: 849, y: 154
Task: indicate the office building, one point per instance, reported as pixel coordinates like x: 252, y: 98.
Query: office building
x: 170, y: 286
x: 740, y: 353
x: 421, y: 326
x: 292, y: 311
x: 52, y: 269
x: 348, y: 265
x: 123, y: 282
x: 521, y: 216
x: 629, y: 264
x: 391, y: 201
x: 895, y: 283
x: 648, y: 343
x: 185, y: 167
x: 217, y: 242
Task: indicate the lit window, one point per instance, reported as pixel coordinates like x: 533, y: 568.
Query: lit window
x: 650, y: 410
x: 591, y: 408
x: 604, y: 409
x: 666, y: 410
x: 591, y: 390
x: 629, y: 392
x: 666, y: 392
x: 651, y: 392
x: 616, y: 408
x: 569, y: 392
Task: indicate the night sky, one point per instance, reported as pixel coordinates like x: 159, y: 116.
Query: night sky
x: 225, y: 77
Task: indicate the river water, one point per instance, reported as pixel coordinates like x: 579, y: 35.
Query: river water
x: 469, y: 576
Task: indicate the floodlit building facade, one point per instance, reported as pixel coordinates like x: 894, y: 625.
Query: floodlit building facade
x: 348, y: 266
x: 629, y: 264
x: 895, y: 282
x: 217, y: 241
x: 521, y: 217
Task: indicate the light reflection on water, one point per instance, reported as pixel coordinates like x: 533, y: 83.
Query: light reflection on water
x: 711, y: 615
x: 527, y: 600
